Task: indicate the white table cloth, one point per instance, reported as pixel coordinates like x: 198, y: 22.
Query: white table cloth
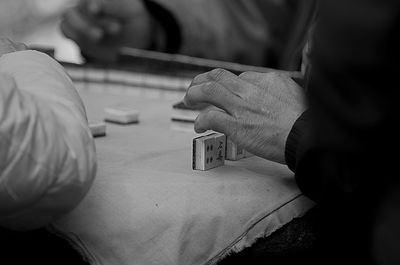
x: 147, y: 206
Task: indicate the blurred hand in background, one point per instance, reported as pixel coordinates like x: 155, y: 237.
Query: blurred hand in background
x: 101, y: 27
x: 18, y: 17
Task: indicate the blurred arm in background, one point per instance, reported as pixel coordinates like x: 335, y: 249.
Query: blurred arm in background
x: 258, y: 32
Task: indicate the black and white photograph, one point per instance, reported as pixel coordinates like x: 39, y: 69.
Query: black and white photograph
x: 199, y: 132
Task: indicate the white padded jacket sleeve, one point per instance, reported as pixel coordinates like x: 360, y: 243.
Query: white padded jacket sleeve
x: 47, y: 154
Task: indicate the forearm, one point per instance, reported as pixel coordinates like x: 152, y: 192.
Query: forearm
x: 48, y: 155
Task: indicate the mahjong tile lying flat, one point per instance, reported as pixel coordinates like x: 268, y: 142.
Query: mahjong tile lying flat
x: 121, y: 115
x: 97, y: 128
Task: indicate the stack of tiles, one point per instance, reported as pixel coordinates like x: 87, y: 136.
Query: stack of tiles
x: 234, y: 153
x: 209, y: 151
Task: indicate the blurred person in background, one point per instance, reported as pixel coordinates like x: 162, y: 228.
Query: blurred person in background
x: 259, y: 32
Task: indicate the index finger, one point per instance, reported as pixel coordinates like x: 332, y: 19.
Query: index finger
x: 225, y: 78
x: 215, y: 94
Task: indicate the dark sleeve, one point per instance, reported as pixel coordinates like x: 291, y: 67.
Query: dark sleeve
x: 169, y: 24
x: 343, y: 148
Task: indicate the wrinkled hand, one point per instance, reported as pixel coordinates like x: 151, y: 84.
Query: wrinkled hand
x: 100, y: 27
x: 256, y: 110
x: 8, y: 46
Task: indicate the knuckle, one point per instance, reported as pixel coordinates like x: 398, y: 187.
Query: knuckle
x: 273, y: 75
x: 239, y: 110
x: 209, y: 89
x: 248, y: 75
x: 217, y: 73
